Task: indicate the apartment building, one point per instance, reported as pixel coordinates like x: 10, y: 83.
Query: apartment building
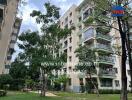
x: 107, y: 65
x: 69, y: 45
x: 9, y: 29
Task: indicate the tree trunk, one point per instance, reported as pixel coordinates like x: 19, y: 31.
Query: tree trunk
x: 129, y: 51
x: 123, y: 62
x: 96, y: 88
x: 43, y: 83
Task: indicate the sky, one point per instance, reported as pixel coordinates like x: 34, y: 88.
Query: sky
x: 30, y: 23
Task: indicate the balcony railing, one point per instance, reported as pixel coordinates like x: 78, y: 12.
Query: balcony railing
x: 13, y: 41
x: 65, y: 46
x: 104, y: 47
x: 88, y: 34
x: 131, y: 37
x: 130, y: 21
x: 106, y: 59
x: 107, y: 72
x: 106, y: 37
x: 130, y: 30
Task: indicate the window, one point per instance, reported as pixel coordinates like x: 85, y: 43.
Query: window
x: 80, y: 37
x: 87, y: 13
x: 9, y: 57
x: 65, y: 70
x: 65, y: 51
x: 66, y: 26
x: 70, y: 39
x: 7, y: 66
x: 106, y: 82
x: 66, y: 19
x: 79, y: 19
x: 62, y: 23
x: 65, y: 44
x: 81, y: 81
x: 70, y: 82
x: 70, y: 22
x: 70, y: 14
x: 80, y: 27
x: 3, y: 2
x: 70, y: 49
x: 70, y: 58
x: 117, y: 84
x: 128, y: 71
x: 70, y: 68
x: 13, y: 41
x: 116, y: 70
x: 1, y: 15
x: 129, y: 83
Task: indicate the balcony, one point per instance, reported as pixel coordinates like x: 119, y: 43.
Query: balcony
x: 13, y: 37
x: 105, y: 60
x: 14, y: 34
x: 11, y: 51
x: 130, y: 30
x: 110, y: 72
x: 12, y: 45
x: 103, y: 47
x: 13, y: 41
x: 17, y: 25
x: 130, y: 21
x: 104, y: 37
x: 131, y: 37
x: 88, y: 34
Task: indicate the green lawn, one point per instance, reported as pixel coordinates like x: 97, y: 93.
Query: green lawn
x: 60, y: 96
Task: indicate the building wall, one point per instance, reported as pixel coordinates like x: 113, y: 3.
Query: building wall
x: 7, y: 28
x: 78, y: 38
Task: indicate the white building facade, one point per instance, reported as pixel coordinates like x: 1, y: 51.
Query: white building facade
x: 108, y: 74
x: 9, y: 29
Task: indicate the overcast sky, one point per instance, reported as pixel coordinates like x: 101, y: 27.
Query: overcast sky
x: 29, y: 22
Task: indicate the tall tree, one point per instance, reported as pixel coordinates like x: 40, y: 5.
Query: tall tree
x: 86, y: 63
x: 102, y: 17
x: 42, y: 51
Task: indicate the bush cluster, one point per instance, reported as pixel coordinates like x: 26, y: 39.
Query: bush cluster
x: 109, y: 91
x: 2, y: 93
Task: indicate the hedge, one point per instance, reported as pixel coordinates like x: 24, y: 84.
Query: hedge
x: 109, y: 91
x: 2, y: 93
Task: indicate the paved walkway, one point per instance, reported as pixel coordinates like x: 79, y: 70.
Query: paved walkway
x: 47, y: 93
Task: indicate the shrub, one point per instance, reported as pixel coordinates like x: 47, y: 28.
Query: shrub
x: 17, y: 84
x: 109, y: 91
x: 2, y: 93
x: 5, y: 79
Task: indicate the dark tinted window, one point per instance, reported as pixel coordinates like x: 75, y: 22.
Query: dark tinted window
x: 1, y: 15
x: 3, y: 2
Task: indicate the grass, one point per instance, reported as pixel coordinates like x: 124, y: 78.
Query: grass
x: 61, y: 96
